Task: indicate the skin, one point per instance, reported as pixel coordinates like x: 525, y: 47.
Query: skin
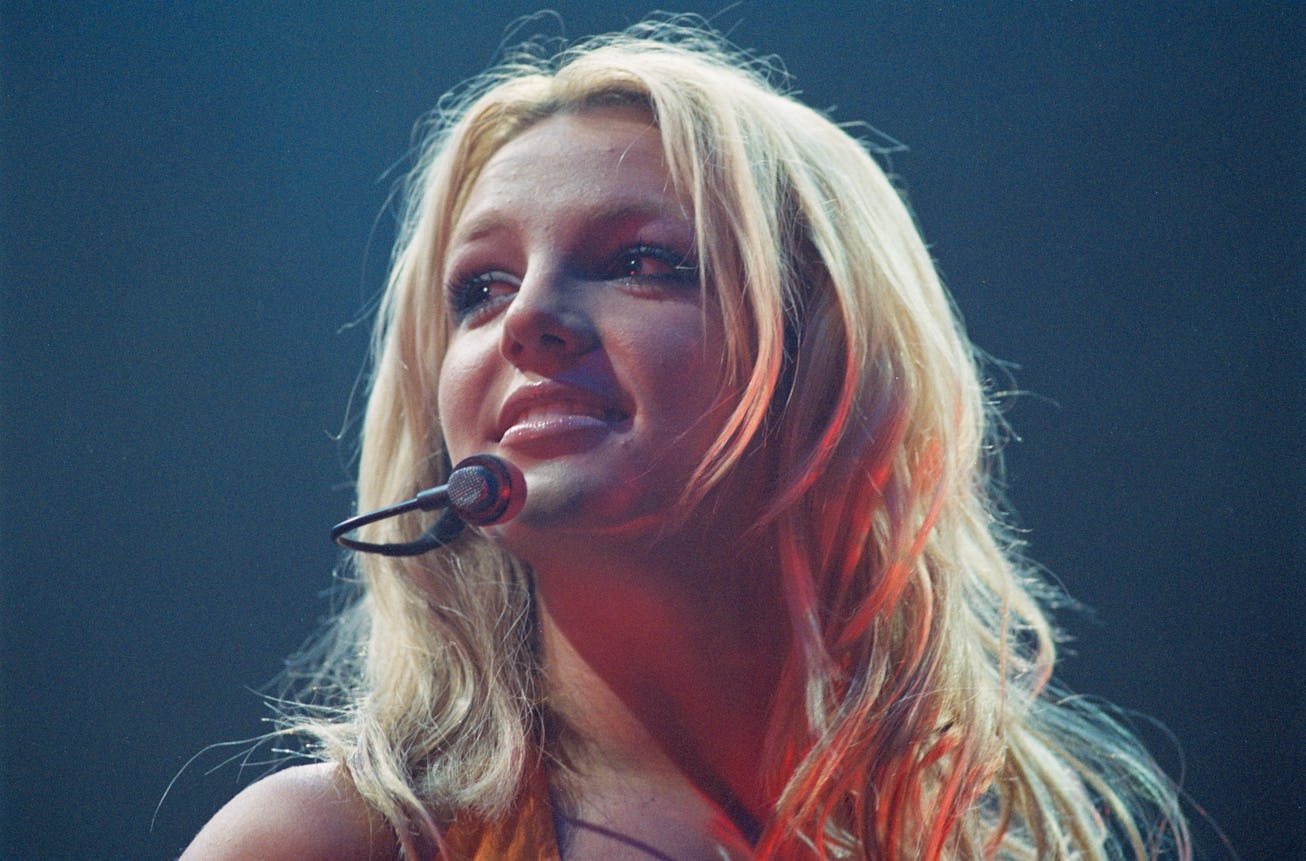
x: 581, y: 350
x: 305, y: 813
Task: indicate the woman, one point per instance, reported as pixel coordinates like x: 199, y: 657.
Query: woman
x: 757, y: 604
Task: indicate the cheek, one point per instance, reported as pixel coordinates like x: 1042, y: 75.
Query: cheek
x: 683, y: 365
x: 456, y: 402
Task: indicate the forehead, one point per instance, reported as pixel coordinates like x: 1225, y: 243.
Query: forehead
x: 599, y: 159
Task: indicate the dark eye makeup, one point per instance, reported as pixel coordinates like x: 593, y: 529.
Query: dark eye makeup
x: 471, y: 295
x: 642, y: 264
x: 656, y: 262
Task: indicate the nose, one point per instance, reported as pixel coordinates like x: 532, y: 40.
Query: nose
x: 547, y: 325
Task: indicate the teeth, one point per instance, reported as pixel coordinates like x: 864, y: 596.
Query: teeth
x: 564, y: 410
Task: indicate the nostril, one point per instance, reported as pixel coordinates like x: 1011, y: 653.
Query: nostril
x: 545, y: 326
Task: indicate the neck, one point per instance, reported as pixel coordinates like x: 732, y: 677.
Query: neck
x: 665, y: 669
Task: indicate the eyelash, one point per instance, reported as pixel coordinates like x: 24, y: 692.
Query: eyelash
x: 681, y: 266
x: 469, y: 295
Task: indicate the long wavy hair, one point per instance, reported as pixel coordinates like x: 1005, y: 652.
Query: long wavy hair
x: 916, y: 718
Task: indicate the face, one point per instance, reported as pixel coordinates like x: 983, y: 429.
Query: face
x: 580, y: 347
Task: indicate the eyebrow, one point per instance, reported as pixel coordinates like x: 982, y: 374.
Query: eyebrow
x: 617, y: 213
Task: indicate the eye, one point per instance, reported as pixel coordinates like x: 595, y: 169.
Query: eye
x: 654, y: 262
x: 476, y: 294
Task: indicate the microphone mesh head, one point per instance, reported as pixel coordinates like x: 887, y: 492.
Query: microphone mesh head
x: 471, y: 488
x: 482, y: 490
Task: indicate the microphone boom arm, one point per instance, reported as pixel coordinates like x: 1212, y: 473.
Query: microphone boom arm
x: 482, y: 489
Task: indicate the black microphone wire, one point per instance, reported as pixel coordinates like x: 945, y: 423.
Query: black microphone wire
x: 445, y: 529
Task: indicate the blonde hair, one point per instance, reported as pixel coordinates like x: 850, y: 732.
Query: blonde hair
x: 916, y: 719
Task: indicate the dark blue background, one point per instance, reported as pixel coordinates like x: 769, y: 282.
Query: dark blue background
x: 194, y: 220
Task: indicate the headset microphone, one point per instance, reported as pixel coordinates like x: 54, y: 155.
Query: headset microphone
x: 482, y: 490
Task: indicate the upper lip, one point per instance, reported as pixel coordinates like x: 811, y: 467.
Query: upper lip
x: 545, y: 393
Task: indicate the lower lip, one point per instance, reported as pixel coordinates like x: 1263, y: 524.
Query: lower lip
x: 553, y: 431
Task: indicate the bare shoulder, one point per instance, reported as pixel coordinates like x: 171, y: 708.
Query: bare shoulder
x: 305, y: 813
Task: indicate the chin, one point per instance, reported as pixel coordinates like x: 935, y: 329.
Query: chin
x: 569, y: 514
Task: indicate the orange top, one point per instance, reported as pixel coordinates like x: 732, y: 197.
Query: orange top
x: 525, y: 834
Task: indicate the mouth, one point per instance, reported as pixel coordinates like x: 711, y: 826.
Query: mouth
x: 551, y: 407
